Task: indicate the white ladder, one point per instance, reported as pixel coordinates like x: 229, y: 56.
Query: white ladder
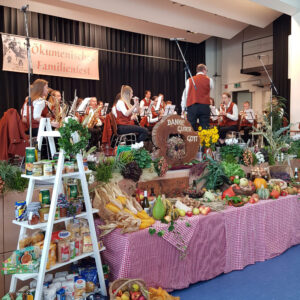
x: 48, y: 227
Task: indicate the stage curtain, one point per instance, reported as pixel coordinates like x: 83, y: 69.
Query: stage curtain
x: 281, y: 32
x: 157, y: 65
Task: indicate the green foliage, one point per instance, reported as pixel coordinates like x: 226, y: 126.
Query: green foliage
x: 215, y: 177
x: 233, y: 169
x: 66, y: 141
x: 255, y: 160
x: 231, y: 152
x: 142, y: 157
x: 104, y: 170
x: 11, y: 175
x: 295, y: 148
x: 276, y: 114
x: 123, y: 159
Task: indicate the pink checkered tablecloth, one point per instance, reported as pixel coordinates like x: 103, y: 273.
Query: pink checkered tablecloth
x: 157, y: 259
x: 261, y: 231
x: 216, y: 243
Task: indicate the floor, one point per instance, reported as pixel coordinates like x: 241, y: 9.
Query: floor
x: 274, y: 279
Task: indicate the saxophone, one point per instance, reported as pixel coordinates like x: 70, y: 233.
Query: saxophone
x: 93, y: 119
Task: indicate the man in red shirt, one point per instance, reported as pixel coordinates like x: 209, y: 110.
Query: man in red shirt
x: 197, y: 100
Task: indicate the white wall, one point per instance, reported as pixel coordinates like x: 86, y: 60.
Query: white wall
x: 225, y: 56
x: 294, y: 69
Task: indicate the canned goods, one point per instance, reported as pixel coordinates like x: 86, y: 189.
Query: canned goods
x: 37, y: 169
x: 72, y: 191
x: 47, y: 168
x: 29, y: 159
x: 44, y: 197
x: 20, y: 209
x: 44, y: 214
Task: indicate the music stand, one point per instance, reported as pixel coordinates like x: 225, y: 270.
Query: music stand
x: 169, y: 110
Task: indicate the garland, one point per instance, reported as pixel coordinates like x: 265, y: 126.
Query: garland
x: 66, y: 141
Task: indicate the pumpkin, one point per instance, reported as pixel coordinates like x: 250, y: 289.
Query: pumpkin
x: 259, y: 182
x: 263, y: 193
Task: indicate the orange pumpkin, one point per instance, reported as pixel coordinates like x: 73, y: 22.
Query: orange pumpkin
x: 259, y: 182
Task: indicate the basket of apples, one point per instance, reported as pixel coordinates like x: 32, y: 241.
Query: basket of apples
x: 128, y: 289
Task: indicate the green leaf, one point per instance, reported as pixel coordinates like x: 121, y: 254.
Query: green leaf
x: 152, y: 231
x: 161, y: 233
x: 171, y: 228
x: 164, y: 221
x: 187, y: 224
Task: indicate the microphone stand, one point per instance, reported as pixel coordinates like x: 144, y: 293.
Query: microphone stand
x: 24, y: 10
x: 187, y: 71
x: 272, y: 86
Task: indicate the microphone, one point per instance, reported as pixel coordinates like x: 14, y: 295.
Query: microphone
x: 177, y: 39
x: 24, y: 8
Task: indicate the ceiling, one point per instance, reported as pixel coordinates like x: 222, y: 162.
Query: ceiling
x: 193, y: 20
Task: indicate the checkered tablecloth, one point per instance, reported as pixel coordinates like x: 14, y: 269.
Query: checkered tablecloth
x: 261, y: 231
x: 216, y: 243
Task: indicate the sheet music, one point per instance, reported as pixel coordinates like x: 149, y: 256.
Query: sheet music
x: 169, y: 110
x: 104, y: 109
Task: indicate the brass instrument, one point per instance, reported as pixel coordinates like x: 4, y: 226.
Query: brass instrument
x: 93, y: 119
x: 222, y: 109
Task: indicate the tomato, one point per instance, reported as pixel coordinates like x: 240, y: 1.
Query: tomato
x: 189, y: 213
x: 275, y: 194
x: 232, y: 178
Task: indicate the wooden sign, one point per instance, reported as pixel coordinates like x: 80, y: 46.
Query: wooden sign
x: 176, y: 140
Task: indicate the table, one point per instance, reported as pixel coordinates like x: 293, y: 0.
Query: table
x: 217, y: 243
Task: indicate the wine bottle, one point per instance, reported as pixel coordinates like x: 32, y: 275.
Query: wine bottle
x: 146, y: 204
x: 296, y: 173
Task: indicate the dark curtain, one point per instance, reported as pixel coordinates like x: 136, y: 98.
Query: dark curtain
x: 153, y: 63
x: 281, y: 32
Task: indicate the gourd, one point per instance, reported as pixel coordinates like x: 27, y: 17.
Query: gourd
x: 168, y: 206
x: 174, y: 214
x: 259, y: 182
x: 263, y: 193
x: 159, y: 209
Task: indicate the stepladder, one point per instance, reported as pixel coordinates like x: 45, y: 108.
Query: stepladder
x: 56, y: 180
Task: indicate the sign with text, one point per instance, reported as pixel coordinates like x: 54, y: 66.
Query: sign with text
x: 49, y: 58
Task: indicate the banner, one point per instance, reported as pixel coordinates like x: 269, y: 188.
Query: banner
x: 49, y: 58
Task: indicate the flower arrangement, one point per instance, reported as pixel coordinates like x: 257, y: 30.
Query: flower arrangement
x: 208, y: 137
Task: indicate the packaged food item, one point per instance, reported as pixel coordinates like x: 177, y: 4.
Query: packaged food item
x: 44, y: 197
x: 72, y: 191
x: 68, y: 286
x: 73, y: 227
x: 33, y: 213
x: 78, y: 245
x: 56, y: 285
x: 20, y: 210
x: 63, y: 251
x: 60, y: 235
x: 84, y: 226
x: 72, y: 249
x: 33, y: 283
x: 79, y: 287
x: 29, y: 159
x: 49, y: 294
x: 70, y: 167
x: 87, y: 243
x: 37, y: 237
x: 61, y: 274
x: 24, y: 242
x: 60, y: 279
x: 61, y: 294
x: 37, y: 169
x: 44, y: 214
x: 47, y: 168
x: 57, y: 214
x: 48, y: 277
x: 51, y: 259
x: 63, y: 205
x: 30, y: 294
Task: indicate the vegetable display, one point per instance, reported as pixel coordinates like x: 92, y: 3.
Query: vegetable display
x: 233, y: 169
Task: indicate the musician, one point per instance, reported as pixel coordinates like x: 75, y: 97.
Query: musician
x: 54, y: 98
x: 145, y: 103
x: 160, y: 102
x: 39, y: 90
x: 247, y: 117
x: 93, y: 122
x: 126, y: 114
x: 214, y: 113
x: 197, y: 100
x: 153, y: 116
x: 113, y: 109
x: 228, y: 117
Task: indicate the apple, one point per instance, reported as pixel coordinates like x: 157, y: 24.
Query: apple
x: 196, y: 211
x: 119, y: 294
x: 135, y: 295
x: 142, y: 298
x: 135, y: 287
x: 189, y: 213
x: 125, y: 296
x: 181, y: 212
x: 205, y: 211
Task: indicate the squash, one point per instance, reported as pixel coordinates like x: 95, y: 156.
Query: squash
x: 159, y: 210
x: 263, y: 193
x: 174, y: 214
x: 259, y: 182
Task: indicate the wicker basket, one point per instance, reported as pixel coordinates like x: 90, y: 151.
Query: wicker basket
x: 121, y: 283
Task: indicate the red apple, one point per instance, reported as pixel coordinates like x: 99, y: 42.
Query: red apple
x: 135, y: 295
x: 189, y: 213
x: 142, y: 298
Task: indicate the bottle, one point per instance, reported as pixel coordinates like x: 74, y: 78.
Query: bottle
x: 152, y: 199
x: 146, y: 204
x: 296, y: 173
